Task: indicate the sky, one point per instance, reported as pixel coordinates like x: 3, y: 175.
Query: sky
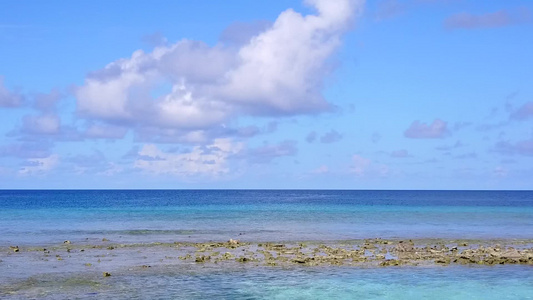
x: 282, y: 94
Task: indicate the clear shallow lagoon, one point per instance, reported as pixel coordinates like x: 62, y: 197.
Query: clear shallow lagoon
x: 453, y: 282
x: 41, y: 218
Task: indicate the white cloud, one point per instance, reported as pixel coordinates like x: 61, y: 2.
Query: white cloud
x: 281, y: 70
x: 364, y: 167
x: 39, y: 165
x: 111, y: 170
x: 360, y: 165
x: 210, y: 161
x: 323, y: 169
x: 192, y: 86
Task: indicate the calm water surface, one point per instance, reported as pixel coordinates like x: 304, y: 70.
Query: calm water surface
x: 49, y: 217
x: 41, y: 217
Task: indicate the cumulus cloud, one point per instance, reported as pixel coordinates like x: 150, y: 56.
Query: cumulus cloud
x: 9, y: 98
x: 525, y: 112
x: 46, y: 121
x: 437, y: 129
x: 191, y: 86
x: 331, y: 137
x: 500, y: 18
x: 208, y: 161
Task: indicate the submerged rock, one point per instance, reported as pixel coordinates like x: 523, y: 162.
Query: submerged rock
x: 390, y: 262
x: 202, y: 258
x: 242, y: 259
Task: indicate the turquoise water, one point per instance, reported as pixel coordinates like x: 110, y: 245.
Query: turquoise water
x: 430, y: 283
x: 47, y: 217
x: 41, y: 218
x: 501, y: 282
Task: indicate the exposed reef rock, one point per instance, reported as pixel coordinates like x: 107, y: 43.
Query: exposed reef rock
x: 365, y: 253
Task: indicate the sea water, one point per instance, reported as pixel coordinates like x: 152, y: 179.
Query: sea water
x: 41, y: 218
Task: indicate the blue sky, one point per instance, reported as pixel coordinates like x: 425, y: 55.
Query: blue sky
x: 344, y: 94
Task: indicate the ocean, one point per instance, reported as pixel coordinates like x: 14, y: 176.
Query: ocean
x: 47, y: 219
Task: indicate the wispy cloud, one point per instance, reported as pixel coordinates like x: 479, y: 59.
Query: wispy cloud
x: 525, y: 112
x: 435, y: 130
x: 400, y: 153
x: 331, y: 137
x: 311, y: 137
x: 323, y: 169
x: 38, y: 166
x: 524, y: 147
x: 387, y: 9
x: 200, y: 161
x: 268, y: 152
x: 9, y: 98
x: 499, y: 18
x: 364, y: 167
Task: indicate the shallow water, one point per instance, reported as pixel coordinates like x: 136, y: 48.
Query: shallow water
x: 507, y: 282
x: 41, y: 218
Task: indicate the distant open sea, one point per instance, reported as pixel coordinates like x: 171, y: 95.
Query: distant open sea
x: 43, y: 218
